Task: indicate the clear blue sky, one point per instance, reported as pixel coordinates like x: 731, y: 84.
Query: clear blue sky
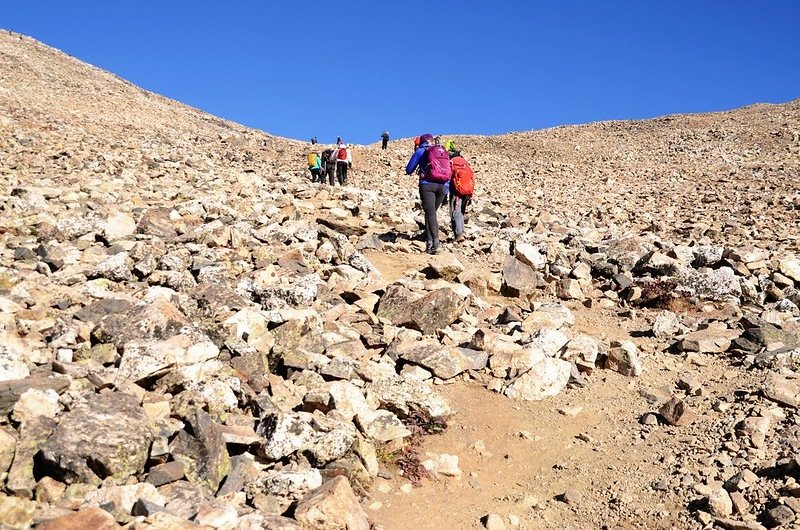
x: 354, y: 68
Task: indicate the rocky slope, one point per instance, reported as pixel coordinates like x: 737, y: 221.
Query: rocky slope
x: 193, y: 334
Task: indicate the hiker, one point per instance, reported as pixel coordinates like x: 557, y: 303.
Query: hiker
x: 384, y: 139
x: 314, y: 166
x: 338, y: 140
x: 343, y: 163
x: 313, y: 140
x: 328, y: 166
x: 416, y: 143
x: 433, y: 166
x: 462, y: 186
x: 450, y: 146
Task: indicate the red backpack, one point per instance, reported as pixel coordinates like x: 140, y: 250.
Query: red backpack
x: 463, y: 177
x: 438, y: 168
x: 341, y: 154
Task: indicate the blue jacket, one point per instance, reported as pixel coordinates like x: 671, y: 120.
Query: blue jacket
x: 418, y: 162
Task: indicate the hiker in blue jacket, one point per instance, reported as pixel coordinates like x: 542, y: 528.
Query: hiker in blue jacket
x: 431, y: 191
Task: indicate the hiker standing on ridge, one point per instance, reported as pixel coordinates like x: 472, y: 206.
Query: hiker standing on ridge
x: 384, y: 139
x: 313, y: 140
x: 338, y: 140
x: 433, y: 165
x: 343, y: 163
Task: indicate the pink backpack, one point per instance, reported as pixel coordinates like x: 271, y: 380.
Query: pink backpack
x: 438, y: 168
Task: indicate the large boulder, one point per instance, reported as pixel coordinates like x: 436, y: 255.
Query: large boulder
x: 405, y: 396
x: 433, y: 311
x: 107, y: 436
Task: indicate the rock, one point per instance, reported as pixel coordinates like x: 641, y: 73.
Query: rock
x: 165, y: 473
x: 675, y: 412
x: 790, y: 267
x: 446, y: 266
x: 16, y: 513
x: 519, y: 279
x: 780, y: 515
x: 732, y: 524
x: 782, y: 390
x: 157, y: 222
x: 666, y: 325
x: 493, y: 521
x: 107, y: 436
x: 118, y: 225
x: 572, y: 497
x: 715, y: 338
x: 623, y: 357
x: 545, y: 379
x: 433, y: 311
x: 8, y: 446
x: 530, y: 256
x: 33, y: 403
x: 116, y: 268
x: 121, y: 499
x: 402, y: 396
x: 204, y: 454
x: 288, y: 483
x: 284, y: 434
x: 445, y: 362
x: 332, y: 505
x: 381, y: 426
x: 443, y: 464
x: 12, y: 390
x: 90, y: 517
x: 718, y: 284
x: 719, y: 503
x: 658, y: 264
x: 569, y: 289
x: 548, y: 316
x: 33, y: 435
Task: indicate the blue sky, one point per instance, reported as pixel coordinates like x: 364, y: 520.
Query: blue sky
x: 354, y: 68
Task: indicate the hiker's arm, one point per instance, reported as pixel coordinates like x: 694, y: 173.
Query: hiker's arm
x: 414, y: 161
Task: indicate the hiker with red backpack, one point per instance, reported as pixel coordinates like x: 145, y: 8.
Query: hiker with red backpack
x: 433, y: 166
x: 462, y: 186
x: 343, y: 162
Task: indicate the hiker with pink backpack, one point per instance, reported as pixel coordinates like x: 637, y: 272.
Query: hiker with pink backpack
x: 432, y: 163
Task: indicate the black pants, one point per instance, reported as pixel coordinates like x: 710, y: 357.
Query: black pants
x: 341, y: 172
x: 383, y: 145
x: 431, y: 195
x: 315, y: 174
x: 330, y: 169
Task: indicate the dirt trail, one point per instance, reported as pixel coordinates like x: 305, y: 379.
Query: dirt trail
x: 517, y: 458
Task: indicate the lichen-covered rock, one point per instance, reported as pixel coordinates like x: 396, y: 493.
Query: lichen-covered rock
x: 107, y: 436
x: 204, y: 453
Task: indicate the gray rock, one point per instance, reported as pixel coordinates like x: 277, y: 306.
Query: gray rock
x: 284, y: 434
x: 204, y: 454
x: 107, y: 436
x: 402, y: 396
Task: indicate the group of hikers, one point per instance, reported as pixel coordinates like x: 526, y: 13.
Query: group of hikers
x: 331, y: 165
x: 444, y: 175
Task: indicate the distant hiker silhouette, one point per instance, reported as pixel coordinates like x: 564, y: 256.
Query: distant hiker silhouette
x: 313, y: 140
x: 384, y: 139
x: 432, y: 163
x: 338, y: 140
